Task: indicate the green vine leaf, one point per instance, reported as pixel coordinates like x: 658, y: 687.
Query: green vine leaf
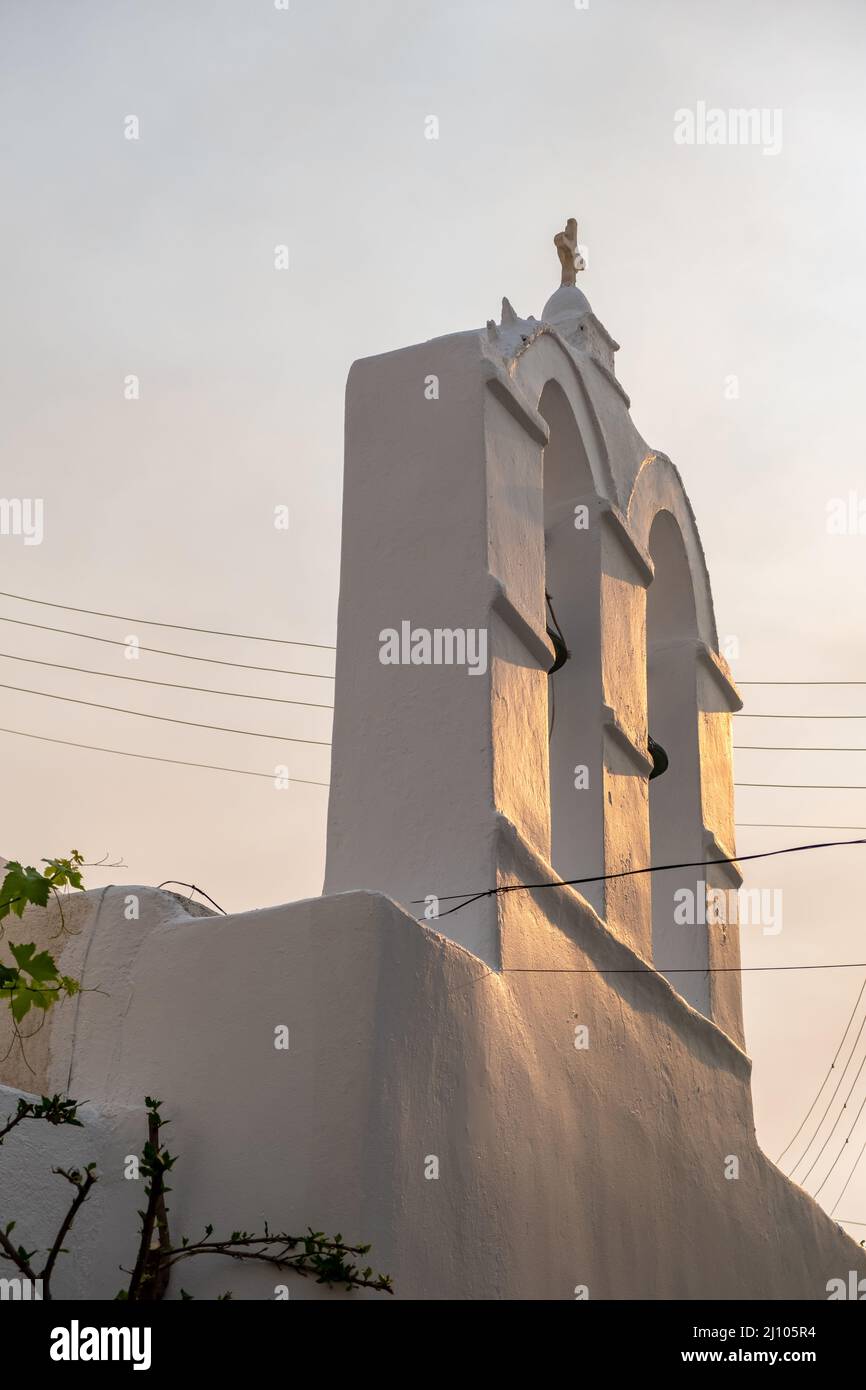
x: 41, y: 967
x: 65, y: 873
x: 21, y: 887
x: 36, y: 983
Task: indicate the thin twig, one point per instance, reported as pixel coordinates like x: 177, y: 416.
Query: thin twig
x: 288, y: 1258
x: 82, y: 1186
x: 193, y: 889
x: 18, y: 1260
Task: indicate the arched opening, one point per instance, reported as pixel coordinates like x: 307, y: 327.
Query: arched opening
x: 572, y: 581
x: 679, y: 932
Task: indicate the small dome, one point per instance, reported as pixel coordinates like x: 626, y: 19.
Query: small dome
x: 567, y: 302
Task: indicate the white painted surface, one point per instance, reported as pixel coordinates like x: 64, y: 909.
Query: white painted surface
x: 457, y: 513
x: 557, y: 1167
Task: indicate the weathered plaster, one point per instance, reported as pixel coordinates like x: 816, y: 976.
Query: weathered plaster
x: 557, y: 1166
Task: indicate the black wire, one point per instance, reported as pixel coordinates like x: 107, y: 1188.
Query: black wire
x: 739, y: 682
x: 171, y: 685
x: 739, y: 715
x: 676, y: 969
x: 808, y: 786
x: 789, y: 748
x: 152, y: 758
x: 179, y: 627
x: 823, y: 1084
x: 161, y: 651
x: 792, y: 825
x: 845, y: 1189
x: 166, y: 719
x: 822, y: 1184
x: 814, y: 1164
x: 628, y: 873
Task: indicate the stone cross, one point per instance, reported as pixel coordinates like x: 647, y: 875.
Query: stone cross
x: 569, y: 255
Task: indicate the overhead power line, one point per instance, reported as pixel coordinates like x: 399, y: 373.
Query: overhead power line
x: 791, y: 825
x: 838, y: 1085
x: 739, y: 682
x: 740, y: 715
x: 628, y: 873
x: 178, y: 627
x: 817, y: 1157
x: 842, y: 1150
x: 808, y: 786
x: 786, y: 748
x: 164, y: 718
x: 152, y: 758
x: 845, y: 1189
x: 171, y: 685
x: 676, y: 969
x: 159, y: 651
x: 824, y: 1082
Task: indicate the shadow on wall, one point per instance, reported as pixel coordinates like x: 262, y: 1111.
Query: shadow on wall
x: 572, y: 581
x: 675, y: 799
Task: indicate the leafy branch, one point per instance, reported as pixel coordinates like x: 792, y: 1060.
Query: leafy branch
x: 55, y: 1110
x: 34, y: 981
x: 327, y: 1259
x: 22, y: 887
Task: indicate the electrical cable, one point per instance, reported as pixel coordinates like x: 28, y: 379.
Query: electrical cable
x: 824, y: 1083
x: 152, y: 758
x: 160, y: 651
x: 808, y: 1174
x: 164, y: 718
x: 171, y: 685
x: 628, y: 873
x: 842, y: 1150
x: 179, y: 627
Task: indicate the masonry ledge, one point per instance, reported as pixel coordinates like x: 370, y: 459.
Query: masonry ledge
x: 715, y: 849
x: 625, y: 742
x: 590, y: 934
x: 715, y: 665
x: 718, y: 669
x: 579, y: 349
x: 635, y: 552
x: 517, y: 405
x: 538, y: 644
x: 611, y: 378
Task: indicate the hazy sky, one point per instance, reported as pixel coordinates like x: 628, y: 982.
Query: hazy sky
x: 155, y: 257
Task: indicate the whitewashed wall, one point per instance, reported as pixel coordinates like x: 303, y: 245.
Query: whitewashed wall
x: 557, y: 1167
x: 413, y: 1053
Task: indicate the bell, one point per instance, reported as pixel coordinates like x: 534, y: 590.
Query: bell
x: 659, y: 758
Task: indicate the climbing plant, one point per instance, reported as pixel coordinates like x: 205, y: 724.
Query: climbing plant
x: 327, y: 1259
x: 32, y: 978
x: 33, y: 981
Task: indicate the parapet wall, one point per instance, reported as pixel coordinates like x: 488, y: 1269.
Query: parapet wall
x: 558, y: 1166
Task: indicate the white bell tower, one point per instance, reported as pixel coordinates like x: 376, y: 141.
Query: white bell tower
x: 493, y: 479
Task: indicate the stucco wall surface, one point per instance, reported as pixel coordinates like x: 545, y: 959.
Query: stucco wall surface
x: 558, y: 1167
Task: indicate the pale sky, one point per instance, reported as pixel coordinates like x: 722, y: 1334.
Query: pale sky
x: 155, y: 257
